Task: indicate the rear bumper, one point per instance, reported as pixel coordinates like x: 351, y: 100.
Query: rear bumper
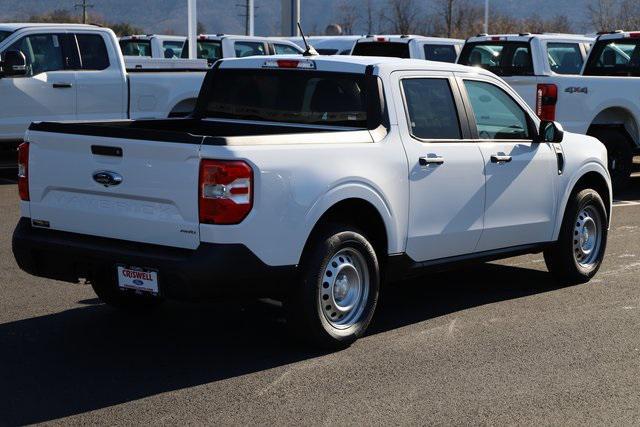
x: 211, y: 270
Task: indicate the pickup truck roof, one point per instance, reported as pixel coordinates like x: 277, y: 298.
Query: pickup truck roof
x: 615, y: 35
x: 20, y: 25
x: 150, y: 36
x: 348, y: 63
x: 396, y: 38
x: 525, y: 37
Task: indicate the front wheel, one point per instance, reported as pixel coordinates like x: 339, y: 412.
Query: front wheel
x: 333, y: 303
x: 579, y: 251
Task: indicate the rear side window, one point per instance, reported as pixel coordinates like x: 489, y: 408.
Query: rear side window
x: 93, y: 52
x: 614, y: 58
x: 389, y: 49
x: 135, y: 47
x: 284, y: 49
x: 172, y: 49
x: 431, y: 109
x: 323, y: 98
x: 497, y: 115
x: 501, y: 58
x: 441, y: 53
x: 249, y: 49
x: 565, y: 58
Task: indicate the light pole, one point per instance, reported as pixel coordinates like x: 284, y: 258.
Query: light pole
x: 192, y: 27
x: 486, y: 16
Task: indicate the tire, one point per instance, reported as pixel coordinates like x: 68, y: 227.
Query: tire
x: 107, y: 290
x: 619, y: 154
x: 334, y: 300
x: 577, y: 255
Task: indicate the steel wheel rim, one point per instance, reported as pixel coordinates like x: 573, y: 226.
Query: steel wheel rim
x: 344, y: 291
x: 587, y: 237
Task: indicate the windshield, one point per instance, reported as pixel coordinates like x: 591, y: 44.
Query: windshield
x: 389, y: 49
x: 293, y: 96
x: 135, y: 47
x: 614, y: 58
x: 501, y: 58
x: 4, y: 35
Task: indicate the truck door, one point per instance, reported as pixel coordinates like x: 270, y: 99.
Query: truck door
x: 446, y: 169
x: 101, y: 82
x: 520, y: 191
x: 47, y: 92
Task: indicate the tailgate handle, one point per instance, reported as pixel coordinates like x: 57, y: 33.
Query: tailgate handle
x: 105, y: 150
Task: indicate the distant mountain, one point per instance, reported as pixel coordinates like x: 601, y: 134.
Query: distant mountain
x: 224, y: 16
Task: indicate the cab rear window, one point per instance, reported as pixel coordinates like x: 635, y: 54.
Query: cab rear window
x: 388, y: 49
x: 292, y: 96
x: 135, y: 47
x: 614, y: 58
x: 502, y: 58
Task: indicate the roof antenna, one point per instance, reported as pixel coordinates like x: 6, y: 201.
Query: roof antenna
x: 310, y: 51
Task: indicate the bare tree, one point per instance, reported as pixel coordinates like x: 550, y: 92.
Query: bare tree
x: 348, y: 16
x: 404, y: 17
x: 604, y: 15
x: 456, y: 18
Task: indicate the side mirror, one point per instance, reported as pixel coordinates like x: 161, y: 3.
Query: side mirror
x: 551, y: 131
x: 14, y: 63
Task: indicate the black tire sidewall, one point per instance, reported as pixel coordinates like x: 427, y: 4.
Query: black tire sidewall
x: 618, y: 147
x: 578, y: 202
x: 305, y: 304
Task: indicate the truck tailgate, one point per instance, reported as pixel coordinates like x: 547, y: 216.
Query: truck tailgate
x: 156, y: 202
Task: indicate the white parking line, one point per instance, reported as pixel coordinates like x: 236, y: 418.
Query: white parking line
x: 622, y: 203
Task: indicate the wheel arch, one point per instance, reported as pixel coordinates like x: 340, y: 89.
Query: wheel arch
x: 620, y: 117
x: 183, y: 108
x: 361, y: 207
x: 591, y: 175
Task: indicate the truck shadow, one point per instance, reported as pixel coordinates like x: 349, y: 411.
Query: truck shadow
x: 93, y: 357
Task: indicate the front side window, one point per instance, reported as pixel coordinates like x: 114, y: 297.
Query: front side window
x: 284, y: 49
x: 565, y: 58
x: 431, y: 109
x: 93, y: 52
x: 497, y: 115
x: 249, y: 49
x: 211, y: 50
x: 42, y: 51
x: 135, y: 47
x: 172, y: 49
x: 441, y: 53
x: 4, y: 35
x: 502, y: 58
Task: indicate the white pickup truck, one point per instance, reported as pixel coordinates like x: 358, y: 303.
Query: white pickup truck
x: 545, y: 70
x: 152, y: 45
x: 409, y: 46
x: 316, y: 180
x: 76, y: 72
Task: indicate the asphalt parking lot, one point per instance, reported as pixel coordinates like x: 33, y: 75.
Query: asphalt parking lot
x: 499, y: 343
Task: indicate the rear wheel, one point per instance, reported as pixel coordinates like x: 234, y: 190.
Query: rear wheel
x: 334, y: 301
x: 107, y: 290
x: 579, y: 251
x: 619, y: 154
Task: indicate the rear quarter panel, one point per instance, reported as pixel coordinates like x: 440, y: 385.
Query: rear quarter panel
x: 155, y: 94
x: 295, y: 184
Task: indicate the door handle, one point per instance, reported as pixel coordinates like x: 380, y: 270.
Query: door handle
x: 426, y: 161
x: 500, y: 158
x: 62, y: 85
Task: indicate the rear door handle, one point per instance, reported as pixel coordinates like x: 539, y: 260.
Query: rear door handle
x: 500, y: 158
x: 62, y: 85
x: 426, y: 161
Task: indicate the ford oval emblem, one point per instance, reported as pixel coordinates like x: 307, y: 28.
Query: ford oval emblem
x: 107, y: 178
x: 138, y: 282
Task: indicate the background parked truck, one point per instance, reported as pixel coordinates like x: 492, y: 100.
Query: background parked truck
x: 594, y: 93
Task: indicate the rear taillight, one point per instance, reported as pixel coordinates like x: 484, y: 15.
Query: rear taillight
x: 23, y: 171
x: 226, y: 191
x: 546, y: 99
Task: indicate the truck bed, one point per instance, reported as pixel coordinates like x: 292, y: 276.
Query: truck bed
x: 197, y: 131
